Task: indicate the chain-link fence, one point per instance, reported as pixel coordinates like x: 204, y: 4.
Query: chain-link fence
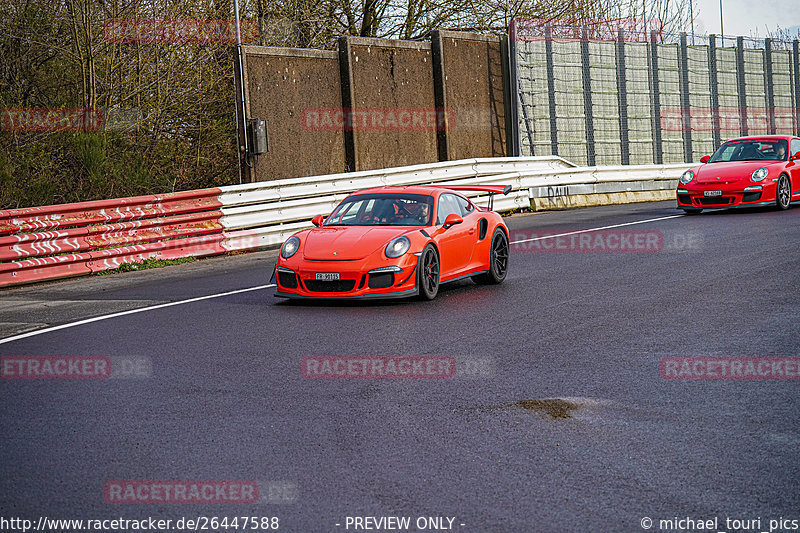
x: 646, y: 97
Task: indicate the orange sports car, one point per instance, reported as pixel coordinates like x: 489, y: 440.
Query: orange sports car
x: 394, y: 242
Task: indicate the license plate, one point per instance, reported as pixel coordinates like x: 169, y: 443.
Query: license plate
x: 712, y: 193
x: 327, y: 276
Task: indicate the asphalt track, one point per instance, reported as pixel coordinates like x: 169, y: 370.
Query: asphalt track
x: 224, y: 398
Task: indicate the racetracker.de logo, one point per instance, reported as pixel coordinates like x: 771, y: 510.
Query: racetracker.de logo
x: 378, y: 367
x: 181, y: 492
x: 707, y: 119
x: 74, y: 367
x: 567, y: 29
x: 55, y: 367
x: 730, y: 368
x: 377, y: 119
x: 581, y: 241
x: 51, y: 119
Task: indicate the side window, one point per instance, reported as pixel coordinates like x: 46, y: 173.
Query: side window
x: 465, y: 206
x: 447, y: 204
x: 795, y: 147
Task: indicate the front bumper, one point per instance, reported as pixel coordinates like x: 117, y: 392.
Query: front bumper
x: 731, y: 197
x: 365, y: 296
x: 357, y: 279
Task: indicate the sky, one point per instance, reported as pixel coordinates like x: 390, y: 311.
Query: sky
x: 747, y: 17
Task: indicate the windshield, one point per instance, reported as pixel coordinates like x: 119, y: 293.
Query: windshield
x: 383, y: 210
x: 751, y: 150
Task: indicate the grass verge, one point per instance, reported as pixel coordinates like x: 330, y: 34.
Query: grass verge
x: 147, y: 264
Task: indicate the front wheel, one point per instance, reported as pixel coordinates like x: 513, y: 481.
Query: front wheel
x: 428, y: 273
x: 498, y: 260
x: 783, y: 193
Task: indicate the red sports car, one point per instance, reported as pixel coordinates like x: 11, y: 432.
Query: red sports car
x: 744, y: 172
x: 391, y: 242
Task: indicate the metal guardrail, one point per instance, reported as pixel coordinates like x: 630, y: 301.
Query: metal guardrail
x: 66, y: 240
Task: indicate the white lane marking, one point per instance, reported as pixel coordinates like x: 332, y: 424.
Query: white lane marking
x: 260, y: 287
x: 129, y: 312
x: 595, y: 229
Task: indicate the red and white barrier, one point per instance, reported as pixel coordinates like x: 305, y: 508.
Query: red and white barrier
x: 58, y: 241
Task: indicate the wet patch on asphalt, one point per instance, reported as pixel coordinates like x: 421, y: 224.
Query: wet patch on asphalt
x: 555, y: 407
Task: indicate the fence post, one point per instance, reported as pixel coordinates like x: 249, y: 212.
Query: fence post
x: 587, y: 98
x: 796, y: 63
x: 515, y: 146
x: 713, y: 82
x: 346, y: 81
x: 769, y: 86
x: 658, y: 147
x: 439, y: 95
x: 551, y: 88
x: 741, y: 85
x: 622, y: 92
x: 521, y: 99
x: 509, y: 102
x: 686, y: 116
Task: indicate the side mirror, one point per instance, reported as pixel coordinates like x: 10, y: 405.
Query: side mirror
x: 452, y: 219
x: 705, y: 158
x: 318, y: 220
x: 796, y: 156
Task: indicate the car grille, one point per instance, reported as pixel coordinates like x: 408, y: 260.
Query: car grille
x: 287, y: 279
x: 381, y: 280
x: 751, y: 196
x: 685, y: 199
x: 342, y: 285
x: 719, y: 200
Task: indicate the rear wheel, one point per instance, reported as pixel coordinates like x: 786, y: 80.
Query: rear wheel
x: 783, y: 193
x: 498, y: 260
x: 428, y: 273
x: 692, y: 211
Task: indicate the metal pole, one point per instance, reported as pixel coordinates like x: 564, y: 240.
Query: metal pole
x: 721, y: 26
x: 551, y: 88
x: 768, y: 85
x: 622, y: 101
x: 686, y: 117
x: 241, y: 95
x: 513, y: 87
x: 714, y: 86
x: 658, y: 146
x: 796, y: 65
x: 238, y: 27
x: 742, y: 89
x: 587, y: 98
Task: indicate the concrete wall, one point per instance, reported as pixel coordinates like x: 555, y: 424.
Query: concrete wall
x: 377, y: 103
x: 286, y: 86
x: 392, y: 81
x: 473, y: 91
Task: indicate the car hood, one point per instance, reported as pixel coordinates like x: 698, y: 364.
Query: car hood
x: 347, y: 243
x: 730, y: 172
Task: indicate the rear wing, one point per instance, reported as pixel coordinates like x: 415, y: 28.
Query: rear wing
x: 491, y: 189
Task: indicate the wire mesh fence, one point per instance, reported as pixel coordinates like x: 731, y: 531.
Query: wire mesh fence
x: 645, y: 97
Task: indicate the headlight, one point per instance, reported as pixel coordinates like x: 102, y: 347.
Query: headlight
x: 290, y: 247
x: 687, y: 177
x: 759, y: 174
x: 397, y: 247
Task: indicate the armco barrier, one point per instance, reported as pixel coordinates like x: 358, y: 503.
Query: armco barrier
x: 75, y: 239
